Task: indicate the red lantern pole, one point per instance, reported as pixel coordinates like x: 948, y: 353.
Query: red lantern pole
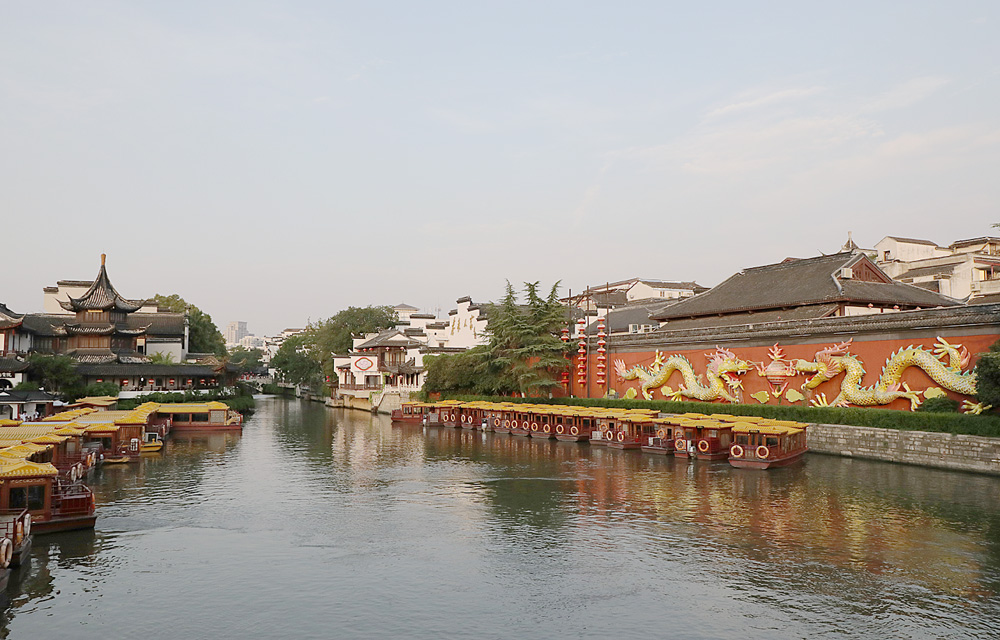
x: 601, y: 358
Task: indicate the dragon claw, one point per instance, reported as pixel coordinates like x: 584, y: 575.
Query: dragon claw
x: 975, y: 408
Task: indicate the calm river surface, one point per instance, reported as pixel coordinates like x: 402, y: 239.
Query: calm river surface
x: 319, y: 523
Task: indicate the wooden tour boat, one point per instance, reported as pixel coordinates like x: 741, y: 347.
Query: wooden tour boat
x: 763, y: 446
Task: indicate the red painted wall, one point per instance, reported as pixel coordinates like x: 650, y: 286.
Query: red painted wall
x: 873, y: 354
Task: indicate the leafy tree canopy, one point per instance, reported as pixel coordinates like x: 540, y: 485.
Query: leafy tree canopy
x: 988, y: 376
x: 295, y: 365
x: 246, y: 359
x: 53, y: 373
x: 204, y: 336
x: 525, y: 354
x: 320, y: 340
x: 334, y: 334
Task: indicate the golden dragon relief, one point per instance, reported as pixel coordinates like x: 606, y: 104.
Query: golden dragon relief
x: 945, y: 365
x: 722, y: 376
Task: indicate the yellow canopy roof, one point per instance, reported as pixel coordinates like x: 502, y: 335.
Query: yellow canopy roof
x: 191, y: 407
x: 766, y: 429
x: 101, y: 427
x: 25, y: 469
x: 69, y: 415
x: 97, y: 401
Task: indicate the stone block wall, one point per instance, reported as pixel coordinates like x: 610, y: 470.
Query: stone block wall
x: 941, y: 450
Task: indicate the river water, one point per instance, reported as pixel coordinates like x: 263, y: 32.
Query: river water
x: 319, y: 523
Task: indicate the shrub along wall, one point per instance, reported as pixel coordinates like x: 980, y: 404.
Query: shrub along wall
x: 957, y: 423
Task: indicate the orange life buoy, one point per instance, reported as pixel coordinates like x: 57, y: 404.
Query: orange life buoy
x: 703, y: 446
x: 560, y: 428
x: 736, y: 451
x: 463, y: 417
x: 661, y: 434
x: 496, y: 422
x: 534, y: 426
x: 506, y: 424
x: 547, y: 429
x: 679, y: 445
x: 574, y: 431
x: 763, y: 452
x: 621, y: 436
x: 526, y: 427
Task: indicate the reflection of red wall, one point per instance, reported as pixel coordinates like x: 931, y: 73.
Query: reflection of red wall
x: 873, y: 354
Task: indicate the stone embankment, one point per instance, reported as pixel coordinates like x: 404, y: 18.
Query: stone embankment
x: 941, y: 450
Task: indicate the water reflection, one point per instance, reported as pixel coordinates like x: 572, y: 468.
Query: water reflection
x: 343, y: 506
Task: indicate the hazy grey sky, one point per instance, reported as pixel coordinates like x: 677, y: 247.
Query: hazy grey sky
x: 278, y: 161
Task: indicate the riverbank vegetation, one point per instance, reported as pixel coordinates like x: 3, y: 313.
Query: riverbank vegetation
x: 239, y: 398
x: 958, y: 423
x: 524, y: 355
x: 306, y: 359
x: 203, y: 335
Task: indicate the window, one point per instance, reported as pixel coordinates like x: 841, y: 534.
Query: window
x: 771, y: 441
x: 182, y: 417
x: 31, y: 497
x: 199, y: 417
x: 36, y: 497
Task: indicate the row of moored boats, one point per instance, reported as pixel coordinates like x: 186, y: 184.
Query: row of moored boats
x: 745, y: 441
x: 44, y: 464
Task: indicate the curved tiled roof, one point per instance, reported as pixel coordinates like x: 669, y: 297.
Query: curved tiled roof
x: 103, y: 296
x: 794, y: 283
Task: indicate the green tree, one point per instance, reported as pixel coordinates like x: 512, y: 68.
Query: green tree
x: 203, y: 335
x: 53, y: 373
x: 527, y: 341
x: 988, y: 376
x: 246, y: 359
x: 334, y: 335
x: 162, y: 358
x: 296, y: 365
x: 524, y: 355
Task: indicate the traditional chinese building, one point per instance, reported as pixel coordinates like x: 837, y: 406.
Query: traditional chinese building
x: 110, y: 337
x: 825, y: 330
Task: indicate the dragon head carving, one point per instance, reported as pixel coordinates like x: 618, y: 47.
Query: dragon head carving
x: 727, y: 366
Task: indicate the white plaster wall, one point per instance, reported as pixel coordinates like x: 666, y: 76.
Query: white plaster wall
x: 172, y: 348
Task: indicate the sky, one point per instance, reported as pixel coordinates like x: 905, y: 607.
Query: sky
x: 276, y: 162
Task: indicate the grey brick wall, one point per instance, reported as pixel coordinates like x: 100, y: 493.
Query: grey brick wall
x: 941, y: 450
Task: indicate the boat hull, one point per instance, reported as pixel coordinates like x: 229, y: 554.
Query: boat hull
x: 769, y: 463
x: 69, y: 523
x: 22, y: 554
x: 614, y: 444
x: 565, y: 437
x: 660, y: 451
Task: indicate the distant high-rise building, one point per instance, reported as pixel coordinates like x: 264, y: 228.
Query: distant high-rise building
x: 236, y: 331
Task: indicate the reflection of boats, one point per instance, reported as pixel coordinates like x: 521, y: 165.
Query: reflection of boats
x: 118, y: 460
x: 763, y: 446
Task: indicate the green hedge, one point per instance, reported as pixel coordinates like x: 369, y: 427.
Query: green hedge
x: 242, y: 402
x: 986, y: 425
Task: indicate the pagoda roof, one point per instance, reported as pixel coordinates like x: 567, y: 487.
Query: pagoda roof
x: 102, y: 296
